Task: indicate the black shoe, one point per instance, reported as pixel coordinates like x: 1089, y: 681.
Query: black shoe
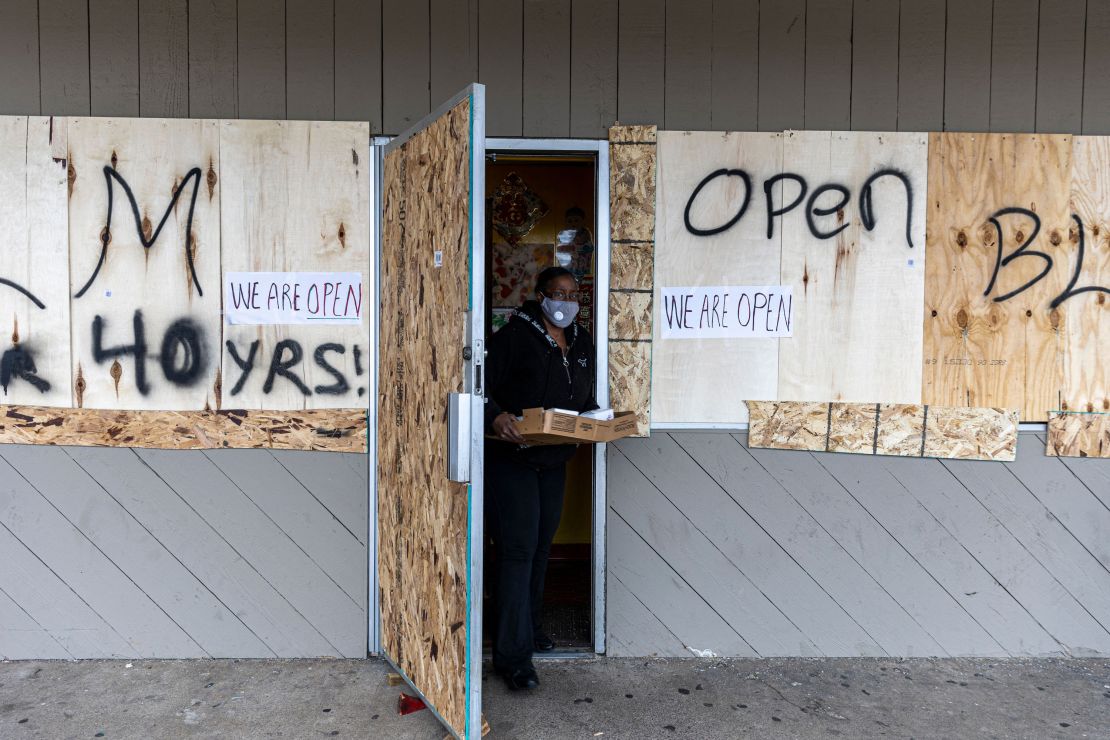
x: 543, y: 643
x: 521, y: 678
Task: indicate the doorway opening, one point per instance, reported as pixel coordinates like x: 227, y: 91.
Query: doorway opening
x: 547, y: 205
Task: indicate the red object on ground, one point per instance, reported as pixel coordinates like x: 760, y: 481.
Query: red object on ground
x: 408, y: 704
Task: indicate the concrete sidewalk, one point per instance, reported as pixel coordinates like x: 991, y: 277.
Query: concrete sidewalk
x: 606, y: 698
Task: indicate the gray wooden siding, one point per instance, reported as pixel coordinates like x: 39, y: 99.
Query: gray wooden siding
x: 717, y: 547
x: 570, y: 67
x: 173, y: 554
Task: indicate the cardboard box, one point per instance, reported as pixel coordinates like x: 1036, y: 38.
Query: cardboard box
x: 550, y: 427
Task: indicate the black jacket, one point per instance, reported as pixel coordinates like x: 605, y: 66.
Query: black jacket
x: 525, y: 369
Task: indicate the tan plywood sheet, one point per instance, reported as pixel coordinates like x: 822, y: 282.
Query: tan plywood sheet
x: 153, y: 287
x: 422, y: 516
x: 979, y: 350
x: 1078, y: 435
x: 631, y: 266
x: 630, y: 315
x: 1086, y: 334
x: 632, y: 192
x: 296, y: 198
x: 858, y: 294
x: 852, y: 427
x: 335, y: 430
x: 901, y: 430
x: 630, y: 379
x: 635, y: 134
x: 34, y: 262
x: 788, y: 426
x: 971, y: 433
x: 708, y: 380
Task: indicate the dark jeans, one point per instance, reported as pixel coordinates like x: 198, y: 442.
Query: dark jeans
x: 523, y: 506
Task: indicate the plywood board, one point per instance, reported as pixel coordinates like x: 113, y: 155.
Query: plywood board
x: 630, y: 379
x: 1078, y: 435
x: 708, y: 380
x: 1086, y: 333
x: 988, y: 341
x: 631, y: 266
x: 632, y: 192
x: 422, y: 516
x: 970, y: 433
x: 337, y: 430
x: 853, y: 427
x: 858, y: 292
x: 788, y: 426
x: 34, y: 263
x: 904, y: 430
x: 296, y: 199
x: 630, y: 315
x: 136, y: 277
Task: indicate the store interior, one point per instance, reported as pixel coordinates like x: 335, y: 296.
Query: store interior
x: 541, y: 210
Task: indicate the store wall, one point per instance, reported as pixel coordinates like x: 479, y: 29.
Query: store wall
x: 1008, y: 554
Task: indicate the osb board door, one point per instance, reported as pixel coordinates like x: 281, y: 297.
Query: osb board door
x: 296, y: 198
x: 708, y: 380
x: 34, y: 262
x: 144, y: 236
x: 429, y: 527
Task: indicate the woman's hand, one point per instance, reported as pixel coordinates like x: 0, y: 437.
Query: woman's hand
x: 504, y: 427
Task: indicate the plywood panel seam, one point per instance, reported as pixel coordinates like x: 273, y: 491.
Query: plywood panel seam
x: 310, y: 492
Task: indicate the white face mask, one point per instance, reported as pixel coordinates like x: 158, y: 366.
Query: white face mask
x: 559, y: 313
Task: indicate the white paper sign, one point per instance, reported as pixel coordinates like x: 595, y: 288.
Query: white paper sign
x: 726, y: 312
x: 292, y: 297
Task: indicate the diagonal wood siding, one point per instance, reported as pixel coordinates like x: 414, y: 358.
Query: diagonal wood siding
x: 717, y: 547
x: 172, y: 554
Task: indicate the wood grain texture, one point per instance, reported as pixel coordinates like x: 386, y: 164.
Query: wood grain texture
x: 901, y: 430
x: 631, y: 266
x: 981, y: 351
x: 852, y: 428
x: 788, y: 426
x: 632, y: 192
x: 422, y: 516
x: 338, y: 430
x: 34, y: 224
x: 857, y: 295
x: 157, y: 158
x: 297, y: 198
x: 630, y: 380
x: 630, y: 315
x: 970, y: 434
x: 708, y: 380
x: 1078, y: 435
x: 633, y: 134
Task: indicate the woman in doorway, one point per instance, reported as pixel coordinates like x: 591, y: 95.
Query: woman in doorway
x: 540, y: 359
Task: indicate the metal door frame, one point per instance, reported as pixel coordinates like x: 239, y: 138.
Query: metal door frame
x: 599, y: 147
x: 473, y: 381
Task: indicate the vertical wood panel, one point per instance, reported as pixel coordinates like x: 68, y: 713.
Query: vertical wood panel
x: 213, y: 66
x: 1096, y: 84
x: 454, y: 47
x: 875, y: 31
x: 735, y: 77
x: 64, y: 57
x: 828, y: 102
x: 640, y: 67
x: 921, y: 51
x: 1060, y: 68
x: 358, y: 62
x: 19, y: 57
x: 310, y: 59
x: 688, y: 62
x: 782, y: 34
x: 261, y: 59
x: 967, y: 65
x: 405, y: 64
x: 114, y: 57
x: 546, y: 76
x: 593, y: 69
x: 1013, y: 102
x: 500, y: 65
x: 164, y: 59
